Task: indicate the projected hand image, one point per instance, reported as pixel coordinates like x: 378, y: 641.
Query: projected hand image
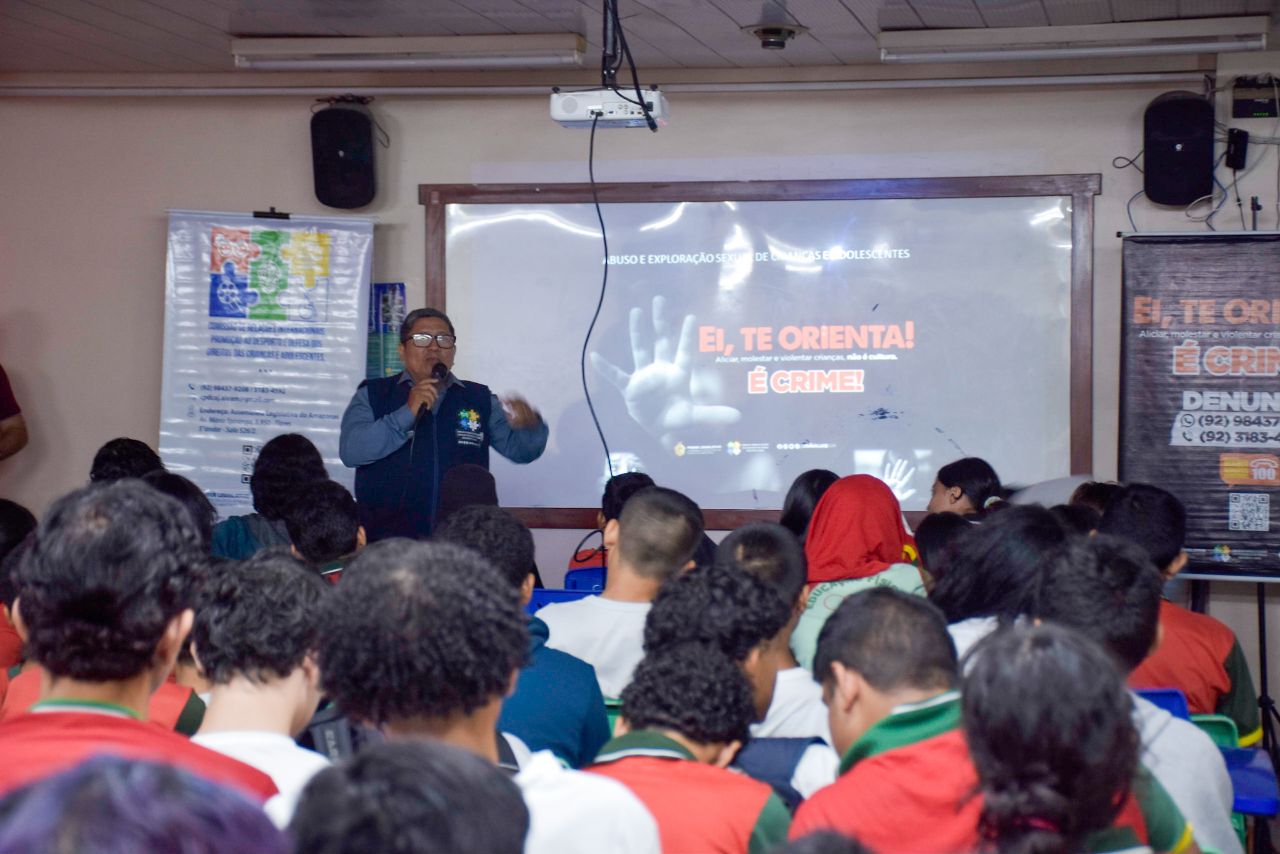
x: 898, y: 473
x: 658, y: 392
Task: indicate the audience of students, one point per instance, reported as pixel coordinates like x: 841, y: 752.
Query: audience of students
x: 994, y: 570
x: 967, y: 487
x: 936, y: 538
x: 617, y: 490
x: 284, y: 463
x: 1196, y: 654
x: 556, y: 704
x: 1109, y: 590
x: 255, y: 636
x: 123, y: 457
x: 411, y: 797
x: 857, y: 539
x: 685, y: 715
x: 425, y: 640
x: 459, y: 713
x: 1094, y: 494
x: 190, y: 496
x: 105, y: 602
x: 745, y: 618
x: 654, y: 538
x: 323, y: 525
x: 773, y: 555
x: 801, y: 499
x: 465, y: 485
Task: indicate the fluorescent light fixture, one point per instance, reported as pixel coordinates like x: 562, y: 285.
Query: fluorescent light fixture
x: 1146, y: 38
x: 427, y: 53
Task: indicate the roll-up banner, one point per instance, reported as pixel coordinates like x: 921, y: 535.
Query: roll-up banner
x: 1200, y: 389
x: 265, y: 333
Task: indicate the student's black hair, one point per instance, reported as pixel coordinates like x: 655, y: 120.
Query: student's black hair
x: 123, y: 457
x: 802, y: 497
x: 658, y: 531
x: 769, y: 552
x: 894, y: 640
x: 693, y: 689
x: 189, y: 496
x: 822, y: 842
x: 419, y: 629
x: 936, y: 539
x: 1149, y: 517
x: 258, y: 618
x: 112, y: 805
x: 1078, y: 518
x: 618, y: 489
x: 323, y: 521
x: 16, y: 522
x: 411, y: 797
x: 1096, y: 494
x: 1049, y: 725
x: 465, y: 485
x: 976, y: 479
x: 494, y: 534
x: 284, y: 463
x: 1108, y: 589
x: 9, y: 575
x: 406, y: 325
x: 110, y: 567
x: 995, y: 567
x: 730, y: 609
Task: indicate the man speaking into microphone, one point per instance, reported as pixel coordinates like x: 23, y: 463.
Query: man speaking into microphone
x: 402, y: 433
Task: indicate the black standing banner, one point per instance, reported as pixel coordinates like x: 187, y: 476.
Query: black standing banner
x: 1200, y: 389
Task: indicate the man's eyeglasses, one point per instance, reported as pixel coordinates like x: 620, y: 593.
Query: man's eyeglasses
x: 424, y: 339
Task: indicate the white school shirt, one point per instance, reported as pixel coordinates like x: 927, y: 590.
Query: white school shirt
x: 574, y: 812
x: 605, y: 633
x: 291, y: 767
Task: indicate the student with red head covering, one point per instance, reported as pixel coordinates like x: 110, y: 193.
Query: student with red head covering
x: 857, y: 539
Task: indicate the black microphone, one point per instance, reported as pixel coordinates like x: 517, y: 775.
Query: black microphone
x: 438, y: 372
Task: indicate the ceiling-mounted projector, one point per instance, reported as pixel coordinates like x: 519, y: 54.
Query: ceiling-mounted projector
x: 608, y: 108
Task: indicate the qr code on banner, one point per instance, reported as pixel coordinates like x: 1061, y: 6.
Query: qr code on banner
x: 1249, y: 512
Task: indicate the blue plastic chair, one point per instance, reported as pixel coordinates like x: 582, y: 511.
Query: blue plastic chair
x: 1171, y: 700
x: 1253, y: 780
x: 589, y: 578
x: 546, y: 597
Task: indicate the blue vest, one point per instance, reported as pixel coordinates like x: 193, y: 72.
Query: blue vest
x: 398, y: 494
x: 774, y: 761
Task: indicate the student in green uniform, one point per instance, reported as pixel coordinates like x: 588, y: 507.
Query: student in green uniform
x: 685, y: 714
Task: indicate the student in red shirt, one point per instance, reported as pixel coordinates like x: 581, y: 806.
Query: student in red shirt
x: 104, y: 601
x: 684, y: 716
x: 1196, y: 654
x: 888, y: 670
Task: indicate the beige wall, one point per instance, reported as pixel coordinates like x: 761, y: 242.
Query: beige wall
x: 86, y: 183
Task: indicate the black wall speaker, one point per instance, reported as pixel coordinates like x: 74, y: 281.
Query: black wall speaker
x: 1177, y: 143
x: 342, y: 157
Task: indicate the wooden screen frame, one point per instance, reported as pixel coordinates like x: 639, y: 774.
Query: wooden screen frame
x: 1081, y: 189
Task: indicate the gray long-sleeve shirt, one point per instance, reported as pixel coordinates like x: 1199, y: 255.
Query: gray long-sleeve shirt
x: 365, y: 439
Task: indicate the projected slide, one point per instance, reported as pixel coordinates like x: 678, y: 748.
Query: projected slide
x: 741, y: 343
